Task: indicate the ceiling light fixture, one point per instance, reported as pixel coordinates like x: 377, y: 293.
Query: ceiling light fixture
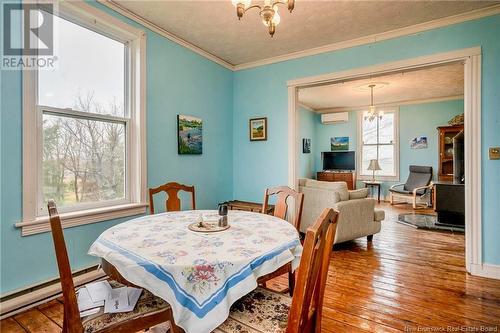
x: 372, y: 110
x: 268, y: 12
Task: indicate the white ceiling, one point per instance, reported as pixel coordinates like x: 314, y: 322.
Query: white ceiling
x: 431, y: 83
x: 214, y: 27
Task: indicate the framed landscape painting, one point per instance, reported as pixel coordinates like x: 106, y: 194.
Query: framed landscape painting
x: 258, y: 129
x: 340, y: 143
x: 189, y: 135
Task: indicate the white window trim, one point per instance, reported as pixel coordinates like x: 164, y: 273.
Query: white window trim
x: 32, y: 223
x: 359, y: 163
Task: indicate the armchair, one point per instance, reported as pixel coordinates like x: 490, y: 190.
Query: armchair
x: 418, y: 184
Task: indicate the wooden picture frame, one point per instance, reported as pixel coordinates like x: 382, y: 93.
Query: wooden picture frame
x: 257, y: 128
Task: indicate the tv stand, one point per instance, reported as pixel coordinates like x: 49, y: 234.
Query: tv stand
x: 338, y: 176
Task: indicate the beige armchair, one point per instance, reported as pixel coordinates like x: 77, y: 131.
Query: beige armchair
x: 357, y: 214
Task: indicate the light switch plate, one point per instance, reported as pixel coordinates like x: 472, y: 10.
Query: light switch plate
x: 494, y: 153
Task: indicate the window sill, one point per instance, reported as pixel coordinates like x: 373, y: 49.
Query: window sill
x: 73, y: 219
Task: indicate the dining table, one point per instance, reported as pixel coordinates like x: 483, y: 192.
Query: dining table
x: 200, y: 274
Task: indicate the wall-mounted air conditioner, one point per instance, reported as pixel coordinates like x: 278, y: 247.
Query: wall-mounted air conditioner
x: 335, y: 118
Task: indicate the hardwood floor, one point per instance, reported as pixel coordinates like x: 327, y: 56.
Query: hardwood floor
x: 406, y: 280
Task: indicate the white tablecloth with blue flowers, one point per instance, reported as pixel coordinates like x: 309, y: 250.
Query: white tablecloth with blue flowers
x: 199, y: 274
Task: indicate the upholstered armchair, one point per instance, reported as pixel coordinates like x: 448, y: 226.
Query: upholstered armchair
x: 357, y: 214
x: 418, y: 184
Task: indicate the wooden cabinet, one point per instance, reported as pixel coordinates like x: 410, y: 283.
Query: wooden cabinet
x: 348, y: 177
x: 445, y: 165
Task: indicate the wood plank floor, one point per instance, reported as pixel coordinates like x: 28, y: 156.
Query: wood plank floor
x: 406, y: 280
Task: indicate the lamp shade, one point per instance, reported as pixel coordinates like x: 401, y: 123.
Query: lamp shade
x: 374, y: 165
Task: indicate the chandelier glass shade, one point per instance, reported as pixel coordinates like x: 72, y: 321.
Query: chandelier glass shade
x: 268, y: 11
x: 373, y: 113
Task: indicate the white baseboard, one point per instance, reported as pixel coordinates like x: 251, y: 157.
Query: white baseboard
x: 31, y: 299
x: 486, y: 270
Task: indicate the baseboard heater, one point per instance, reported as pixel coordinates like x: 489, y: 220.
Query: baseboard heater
x: 21, y: 300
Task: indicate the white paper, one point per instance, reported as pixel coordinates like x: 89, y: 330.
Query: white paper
x: 117, y: 301
x: 98, y: 290
x: 85, y: 302
x: 133, y: 295
x: 89, y: 312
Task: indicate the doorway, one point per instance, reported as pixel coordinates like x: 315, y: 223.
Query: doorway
x: 471, y: 58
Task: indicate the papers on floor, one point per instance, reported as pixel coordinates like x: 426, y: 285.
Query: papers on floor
x: 98, y: 294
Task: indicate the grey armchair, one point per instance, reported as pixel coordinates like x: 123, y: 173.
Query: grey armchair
x: 417, y: 184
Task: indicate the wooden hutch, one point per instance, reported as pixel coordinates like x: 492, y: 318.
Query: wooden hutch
x: 445, y: 166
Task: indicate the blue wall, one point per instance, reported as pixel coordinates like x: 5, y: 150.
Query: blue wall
x: 307, y: 130
x: 178, y: 81
x: 414, y: 120
x: 259, y: 166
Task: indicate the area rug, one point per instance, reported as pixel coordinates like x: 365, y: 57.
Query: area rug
x: 426, y: 221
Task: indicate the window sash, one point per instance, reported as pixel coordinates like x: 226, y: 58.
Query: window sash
x: 41, y: 110
x: 364, y: 174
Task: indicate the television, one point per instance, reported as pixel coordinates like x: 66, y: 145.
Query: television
x: 336, y: 160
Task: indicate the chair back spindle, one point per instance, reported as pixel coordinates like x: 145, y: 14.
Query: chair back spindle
x: 283, y: 193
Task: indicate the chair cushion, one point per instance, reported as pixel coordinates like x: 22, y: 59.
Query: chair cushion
x: 260, y: 311
x: 419, y: 176
x: 146, y: 305
x: 358, y: 194
x: 379, y: 215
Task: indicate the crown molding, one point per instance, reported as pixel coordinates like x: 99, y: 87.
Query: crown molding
x: 407, y: 102
x: 153, y: 27
x: 413, y: 29
x: 438, y: 23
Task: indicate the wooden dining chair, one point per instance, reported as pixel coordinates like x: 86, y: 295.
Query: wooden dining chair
x: 148, y: 312
x: 283, y: 193
x: 267, y: 311
x: 173, y: 203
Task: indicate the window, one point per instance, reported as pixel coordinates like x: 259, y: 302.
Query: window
x: 378, y: 139
x: 84, y: 125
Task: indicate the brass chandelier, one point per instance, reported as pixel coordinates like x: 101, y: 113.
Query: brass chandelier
x: 268, y: 12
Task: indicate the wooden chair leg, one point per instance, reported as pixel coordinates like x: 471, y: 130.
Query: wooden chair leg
x: 414, y: 202
x: 291, y: 283
x: 369, y: 238
x: 391, y: 198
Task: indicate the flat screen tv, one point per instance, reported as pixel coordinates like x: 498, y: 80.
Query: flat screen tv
x: 336, y: 160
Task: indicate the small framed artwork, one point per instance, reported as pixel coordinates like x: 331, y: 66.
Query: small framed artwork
x: 420, y: 142
x: 258, y: 129
x: 339, y: 143
x: 189, y: 135
x: 306, y: 146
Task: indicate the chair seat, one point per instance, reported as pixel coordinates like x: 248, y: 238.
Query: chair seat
x: 260, y: 311
x: 148, y: 304
x: 403, y: 191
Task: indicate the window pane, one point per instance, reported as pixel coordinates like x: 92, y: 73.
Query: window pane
x: 386, y: 131
x: 386, y: 160
x: 369, y: 153
x: 90, y: 72
x: 83, y: 160
x: 369, y: 130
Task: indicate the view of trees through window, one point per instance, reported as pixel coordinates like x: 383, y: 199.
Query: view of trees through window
x: 84, y: 118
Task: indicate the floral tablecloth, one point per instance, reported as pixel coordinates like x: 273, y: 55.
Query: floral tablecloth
x: 199, y: 274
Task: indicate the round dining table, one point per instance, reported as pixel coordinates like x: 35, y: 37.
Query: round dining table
x: 200, y: 274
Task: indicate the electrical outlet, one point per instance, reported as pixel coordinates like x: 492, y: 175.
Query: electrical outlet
x: 494, y: 153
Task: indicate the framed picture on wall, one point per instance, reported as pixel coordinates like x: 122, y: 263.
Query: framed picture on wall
x: 420, y: 142
x: 339, y: 143
x: 189, y: 135
x: 306, y: 146
x: 258, y: 129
